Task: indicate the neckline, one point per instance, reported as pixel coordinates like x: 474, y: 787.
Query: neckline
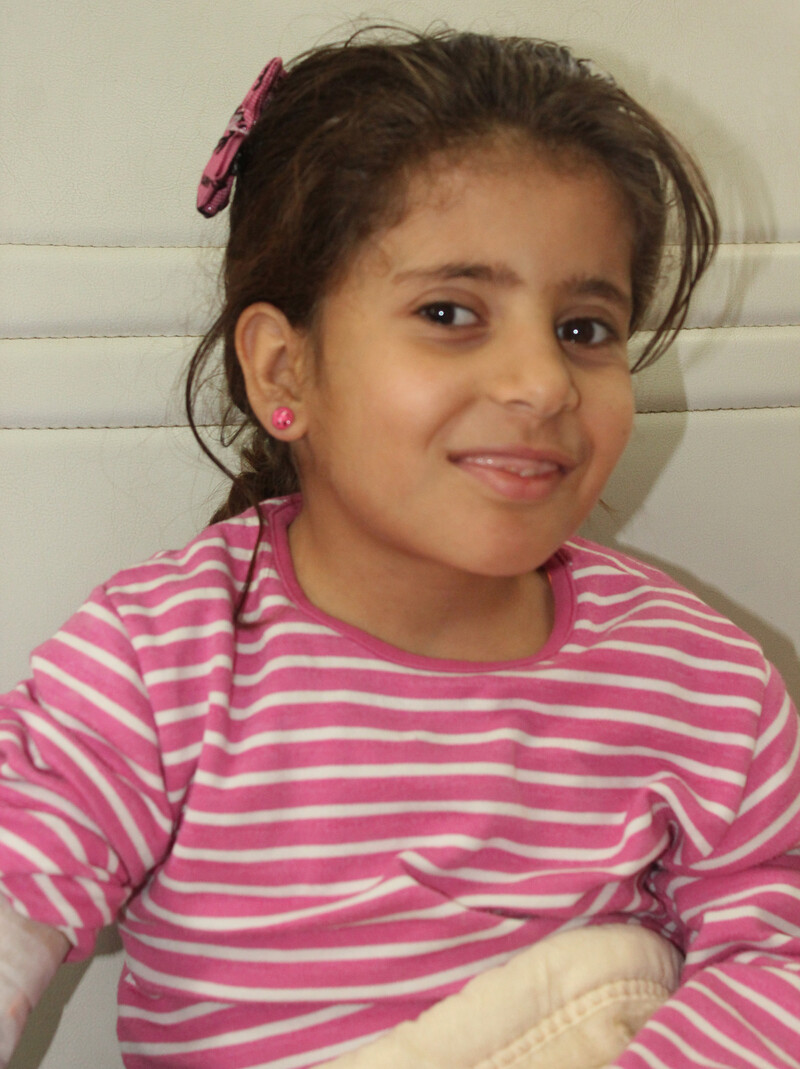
x: 280, y: 515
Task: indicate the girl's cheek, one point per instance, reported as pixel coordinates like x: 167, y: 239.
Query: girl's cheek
x: 620, y: 409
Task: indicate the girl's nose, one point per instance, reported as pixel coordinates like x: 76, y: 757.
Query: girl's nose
x: 533, y: 373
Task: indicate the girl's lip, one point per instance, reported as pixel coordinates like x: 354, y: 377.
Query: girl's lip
x: 519, y: 473
x: 519, y: 460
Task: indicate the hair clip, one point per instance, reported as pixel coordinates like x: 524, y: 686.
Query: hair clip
x: 215, y: 187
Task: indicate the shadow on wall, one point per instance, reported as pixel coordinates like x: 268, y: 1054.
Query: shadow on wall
x: 46, y: 1018
x: 727, y: 155
x: 626, y: 494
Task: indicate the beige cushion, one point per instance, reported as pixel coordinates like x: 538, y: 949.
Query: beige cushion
x: 573, y: 1001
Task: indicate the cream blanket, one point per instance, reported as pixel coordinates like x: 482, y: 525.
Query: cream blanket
x: 573, y: 1001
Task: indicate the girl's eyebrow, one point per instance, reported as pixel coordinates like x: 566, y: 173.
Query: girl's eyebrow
x: 503, y: 275
x: 499, y: 274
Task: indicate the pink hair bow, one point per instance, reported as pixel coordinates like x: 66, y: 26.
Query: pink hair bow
x: 215, y: 187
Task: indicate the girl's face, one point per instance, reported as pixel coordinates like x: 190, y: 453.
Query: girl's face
x: 469, y: 391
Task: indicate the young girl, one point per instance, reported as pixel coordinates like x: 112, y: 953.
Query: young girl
x: 388, y: 723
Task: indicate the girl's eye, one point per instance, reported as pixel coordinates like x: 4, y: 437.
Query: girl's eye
x: 585, y: 331
x: 448, y: 314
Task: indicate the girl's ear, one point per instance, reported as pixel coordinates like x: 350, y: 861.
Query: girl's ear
x: 273, y: 356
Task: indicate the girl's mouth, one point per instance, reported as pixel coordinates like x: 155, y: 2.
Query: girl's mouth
x: 516, y: 474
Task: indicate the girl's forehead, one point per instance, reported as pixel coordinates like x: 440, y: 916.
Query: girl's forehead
x: 424, y: 195
x: 444, y: 175
x: 501, y: 216
x: 475, y: 194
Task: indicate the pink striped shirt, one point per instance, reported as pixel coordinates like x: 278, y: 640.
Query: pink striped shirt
x: 309, y: 836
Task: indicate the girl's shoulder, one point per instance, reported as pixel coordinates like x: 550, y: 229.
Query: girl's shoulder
x: 616, y: 592
x: 592, y: 562
x: 215, y: 564
x: 594, y: 565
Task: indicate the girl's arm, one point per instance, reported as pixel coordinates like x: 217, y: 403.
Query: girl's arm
x: 737, y: 904
x: 84, y: 812
x: 30, y: 953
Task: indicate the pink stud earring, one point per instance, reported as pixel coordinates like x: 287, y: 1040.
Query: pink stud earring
x: 282, y: 418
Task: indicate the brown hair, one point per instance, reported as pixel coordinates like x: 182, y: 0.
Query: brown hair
x: 328, y: 163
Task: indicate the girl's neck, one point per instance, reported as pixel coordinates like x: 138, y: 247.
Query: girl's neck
x: 420, y: 608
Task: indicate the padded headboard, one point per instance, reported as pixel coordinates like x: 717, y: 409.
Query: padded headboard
x: 109, y: 114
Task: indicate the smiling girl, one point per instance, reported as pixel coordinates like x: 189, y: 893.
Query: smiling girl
x: 388, y: 727
x: 473, y: 399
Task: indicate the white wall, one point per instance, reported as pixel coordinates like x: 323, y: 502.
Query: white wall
x: 109, y: 113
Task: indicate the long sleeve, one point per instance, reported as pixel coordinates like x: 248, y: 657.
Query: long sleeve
x: 85, y: 813
x: 735, y: 904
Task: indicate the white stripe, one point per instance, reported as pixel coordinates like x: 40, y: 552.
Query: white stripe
x: 171, y: 559
x: 318, y: 663
x: 710, y: 906
x: 89, y: 772
x: 172, y: 576
x: 689, y: 1054
x: 629, y: 619
x: 786, y: 772
x: 172, y: 758
x: 101, y: 656
x: 186, y: 597
x: 679, y: 656
x: 613, y: 569
x: 309, y: 851
x: 163, y: 639
x: 298, y: 736
x: 599, y: 903
x: 752, y: 911
x: 400, y: 770
x: 62, y: 829
x: 182, y: 672
x: 166, y: 717
x: 113, y: 709
x: 591, y: 713
x: 434, y: 913
x: 389, y: 951
x: 692, y: 831
x: 626, y: 867
x: 661, y: 686
x: 262, y: 993
x: 155, y: 1015
x: 245, y: 1035
x: 26, y: 849
x: 481, y: 807
x: 753, y: 845
x: 274, y: 631
x: 702, y: 1023
x: 690, y: 604
x: 775, y: 729
x: 320, y: 1055
x: 763, y: 948
x: 73, y: 727
x: 237, y: 923
x: 329, y: 889
x: 788, y: 976
x: 595, y: 551
x: 51, y: 892
x: 100, y: 612
x: 35, y: 794
x: 264, y: 604
x: 93, y: 887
